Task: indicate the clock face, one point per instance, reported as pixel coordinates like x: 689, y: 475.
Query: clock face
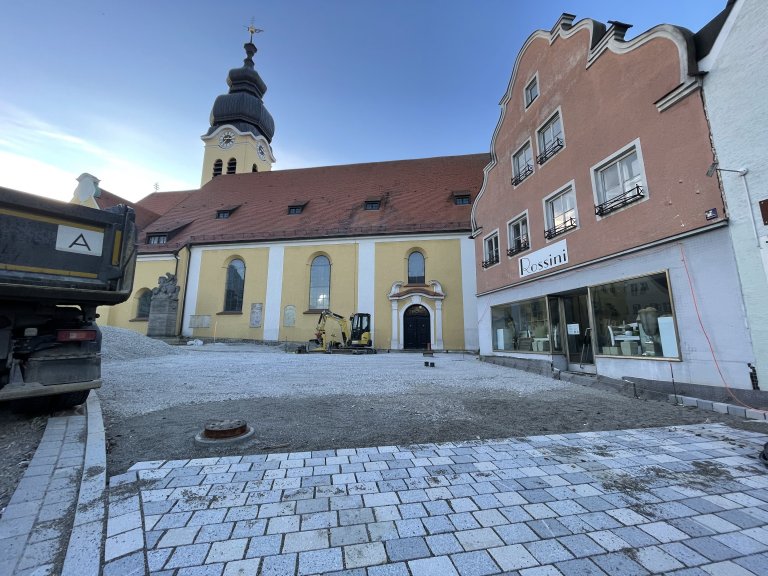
x: 227, y: 139
x: 262, y: 152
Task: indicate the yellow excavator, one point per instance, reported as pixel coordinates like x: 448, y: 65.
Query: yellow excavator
x: 334, y: 333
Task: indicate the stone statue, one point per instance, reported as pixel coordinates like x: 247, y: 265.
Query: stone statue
x: 163, y: 307
x: 166, y: 287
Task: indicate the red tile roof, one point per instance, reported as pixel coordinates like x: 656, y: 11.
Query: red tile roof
x: 144, y: 216
x: 417, y: 196
x: 161, y: 202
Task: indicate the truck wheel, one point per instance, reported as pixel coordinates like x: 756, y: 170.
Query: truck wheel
x: 69, y: 399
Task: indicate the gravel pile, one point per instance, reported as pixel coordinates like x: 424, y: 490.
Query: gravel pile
x: 122, y: 344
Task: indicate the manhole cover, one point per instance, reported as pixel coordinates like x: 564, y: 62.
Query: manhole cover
x: 225, y: 428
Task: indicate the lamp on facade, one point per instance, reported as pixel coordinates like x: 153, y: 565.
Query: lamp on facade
x: 714, y: 167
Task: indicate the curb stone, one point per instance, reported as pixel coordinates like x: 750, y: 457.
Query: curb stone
x: 720, y: 407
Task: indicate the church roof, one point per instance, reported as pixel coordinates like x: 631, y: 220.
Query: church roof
x: 379, y: 198
x: 144, y: 214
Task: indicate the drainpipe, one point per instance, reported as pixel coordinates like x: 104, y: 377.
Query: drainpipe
x: 186, y: 283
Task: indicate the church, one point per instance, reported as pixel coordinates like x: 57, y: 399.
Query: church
x: 257, y: 254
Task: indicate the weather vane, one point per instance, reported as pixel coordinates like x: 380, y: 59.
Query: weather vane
x: 253, y: 30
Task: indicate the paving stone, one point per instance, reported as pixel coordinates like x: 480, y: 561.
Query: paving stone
x: 478, y: 539
x: 438, y: 524
x: 355, y: 516
x: 345, y: 535
x: 121, y: 544
x: 548, y: 551
x: 227, y: 551
x: 242, y: 567
x: 619, y: 563
x: 656, y: 559
x: 548, y: 528
x: 477, y: 563
x: 437, y: 566
x: 282, y: 565
x: 580, y: 567
x: 516, y: 533
x: 178, y: 537
x: 442, y: 544
x: 663, y: 532
x: 513, y: 557
x: 741, y: 543
x: 581, y: 545
x: 320, y: 561
x: 214, y: 532
x: 382, y: 531
x: 406, y: 549
x: 305, y: 540
x: 368, y: 554
x: 264, y: 546
x: 193, y: 555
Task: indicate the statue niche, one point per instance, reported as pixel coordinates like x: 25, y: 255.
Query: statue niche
x: 163, y: 307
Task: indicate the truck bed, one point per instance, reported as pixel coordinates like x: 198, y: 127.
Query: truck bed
x: 64, y: 253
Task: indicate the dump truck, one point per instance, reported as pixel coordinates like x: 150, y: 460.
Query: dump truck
x: 58, y: 263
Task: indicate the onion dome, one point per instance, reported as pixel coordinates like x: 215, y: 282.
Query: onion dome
x: 242, y: 107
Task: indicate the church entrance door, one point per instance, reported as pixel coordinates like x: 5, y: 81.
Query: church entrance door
x: 416, y: 333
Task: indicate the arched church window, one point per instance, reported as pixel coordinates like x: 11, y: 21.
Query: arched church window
x: 231, y: 166
x: 233, y: 293
x: 320, y: 283
x: 217, y: 168
x: 416, y: 268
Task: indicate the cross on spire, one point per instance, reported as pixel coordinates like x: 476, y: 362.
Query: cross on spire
x: 253, y: 30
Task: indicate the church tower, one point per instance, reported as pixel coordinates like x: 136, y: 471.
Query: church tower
x: 241, y: 127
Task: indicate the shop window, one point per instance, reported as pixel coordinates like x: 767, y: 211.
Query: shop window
x: 231, y: 166
x: 217, y: 167
x: 634, y: 318
x: 522, y: 327
x: 491, y: 250
x: 619, y: 183
x: 320, y: 283
x: 551, y: 139
x: 560, y: 213
x: 235, y: 286
x: 522, y: 164
x: 416, y: 268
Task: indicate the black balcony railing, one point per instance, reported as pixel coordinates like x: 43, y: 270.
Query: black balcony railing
x: 551, y: 149
x: 632, y: 195
x: 493, y: 258
x: 522, y: 175
x: 521, y: 245
x: 569, y: 224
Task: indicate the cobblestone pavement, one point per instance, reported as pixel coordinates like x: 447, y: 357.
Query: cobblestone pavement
x: 687, y: 500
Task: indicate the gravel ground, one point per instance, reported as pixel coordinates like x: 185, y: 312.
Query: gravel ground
x: 154, y: 404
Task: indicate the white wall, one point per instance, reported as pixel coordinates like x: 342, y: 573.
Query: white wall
x: 714, y: 282
x: 737, y: 106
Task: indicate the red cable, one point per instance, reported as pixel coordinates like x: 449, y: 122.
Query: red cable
x: 709, y: 342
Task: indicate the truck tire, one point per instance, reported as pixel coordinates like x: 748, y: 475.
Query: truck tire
x: 69, y: 399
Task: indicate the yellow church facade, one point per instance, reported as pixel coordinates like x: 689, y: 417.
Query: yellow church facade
x: 258, y: 253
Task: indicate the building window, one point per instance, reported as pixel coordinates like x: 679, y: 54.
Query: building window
x: 462, y: 199
x: 561, y: 213
x: 235, y: 287
x: 522, y: 164
x: 143, y: 304
x: 518, y: 236
x: 223, y: 214
x: 320, y: 283
x: 217, y: 168
x: 372, y: 204
x: 157, y: 238
x: 550, y: 139
x: 619, y: 183
x: 297, y: 209
x: 531, y: 91
x: 524, y: 327
x: 491, y: 250
x: 634, y: 317
x: 231, y: 166
x: 416, y: 268
x: 254, y: 168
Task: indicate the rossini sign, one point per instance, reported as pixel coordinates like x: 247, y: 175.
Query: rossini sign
x: 547, y: 258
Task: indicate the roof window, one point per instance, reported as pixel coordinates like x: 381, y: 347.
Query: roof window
x: 372, y: 204
x: 157, y: 238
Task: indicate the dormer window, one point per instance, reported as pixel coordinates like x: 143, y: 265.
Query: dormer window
x: 297, y: 209
x: 223, y: 214
x: 157, y: 238
x: 462, y: 198
x: 372, y: 204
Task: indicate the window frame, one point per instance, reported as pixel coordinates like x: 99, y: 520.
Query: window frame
x: 462, y: 199
x: 519, y: 176
x: 526, y: 90
x: 598, y: 192
x: 143, y: 293
x: 549, y: 222
x: 423, y: 268
x: 156, y: 239
x: 372, y: 205
x: 228, y: 308
x: 488, y: 257
x: 232, y: 166
x: 524, y: 245
x: 223, y: 214
x: 314, y: 302
x: 218, y: 167
x: 544, y: 155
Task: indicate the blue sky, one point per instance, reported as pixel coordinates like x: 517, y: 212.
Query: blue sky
x: 123, y: 90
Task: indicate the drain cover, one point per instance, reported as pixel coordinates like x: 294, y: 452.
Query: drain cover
x: 225, y: 428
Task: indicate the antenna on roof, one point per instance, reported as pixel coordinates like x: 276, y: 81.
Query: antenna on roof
x: 157, y: 186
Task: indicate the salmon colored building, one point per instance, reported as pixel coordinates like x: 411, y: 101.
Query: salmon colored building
x: 602, y: 246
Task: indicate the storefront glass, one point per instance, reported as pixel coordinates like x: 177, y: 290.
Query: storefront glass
x: 634, y: 317
x: 522, y: 326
